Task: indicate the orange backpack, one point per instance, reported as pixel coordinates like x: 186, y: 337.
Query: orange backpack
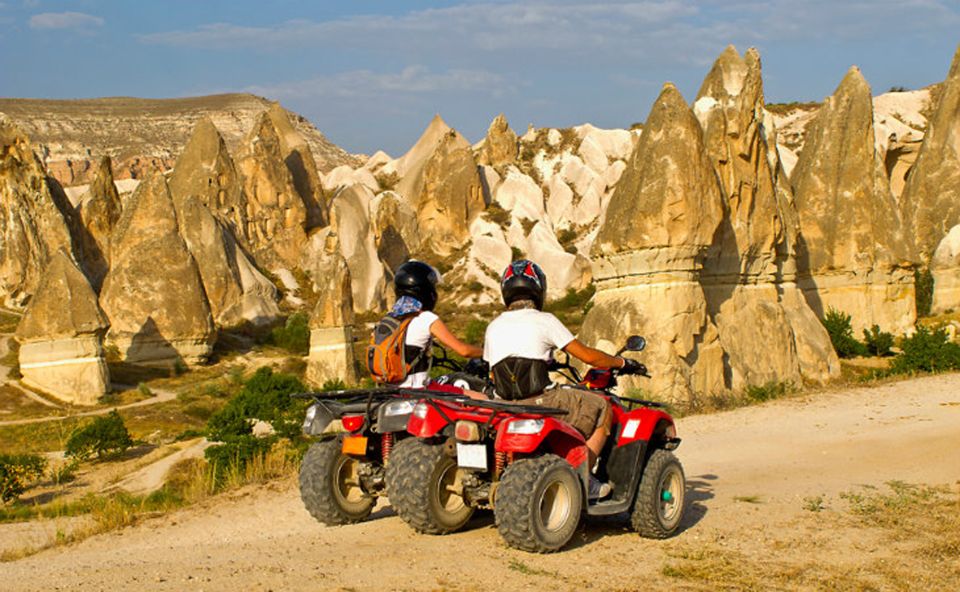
x: 386, y: 354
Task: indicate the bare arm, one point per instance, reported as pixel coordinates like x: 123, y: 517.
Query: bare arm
x: 444, y: 336
x: 593, y: 357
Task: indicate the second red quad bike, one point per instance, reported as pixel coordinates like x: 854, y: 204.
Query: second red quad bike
x: 530, y: 467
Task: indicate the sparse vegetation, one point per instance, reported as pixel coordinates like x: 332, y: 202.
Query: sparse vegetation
x: 784, y: 108
x: 877, y: 342
x: 927, y: 350
x: 838, y: 326
x: 293, y: 335
x: 923, y: 285
x: 813, y: 503
x: 16, y: 472
x: 475, y: 331
x: 898, y: 89
x: 768, y: 392
x: 103, y: 436
x: 516, y: 253
x: 387, y: 181
x: 496, y: 214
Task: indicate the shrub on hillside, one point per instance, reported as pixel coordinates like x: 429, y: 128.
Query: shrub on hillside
x: 16, y: 472
x: 106, y: 434
x: 475, y: 331
x: 877, y: 342
x: 294, y: 335
x: 265, y: 396
x: 838, y: 327
x: 923, y: 285
x: 927, y: 350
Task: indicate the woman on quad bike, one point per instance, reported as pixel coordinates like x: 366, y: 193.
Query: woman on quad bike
x: 415, y: 285
x: 519, y: 346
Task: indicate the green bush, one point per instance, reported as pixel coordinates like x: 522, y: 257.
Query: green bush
x: 877, y: 342
x: 475, y: 331
x: 768, y: 392
x: 106, y: 434
x: 265, y: 396
x: 927, y: 350
x: 294, y: 335
x: 923, y: 285
x: 838, y: 326
x: 16, y: 472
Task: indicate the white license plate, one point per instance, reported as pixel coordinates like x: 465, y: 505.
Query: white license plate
x: 472, y: 456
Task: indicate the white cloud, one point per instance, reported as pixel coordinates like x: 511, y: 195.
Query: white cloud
x: 64, y: 20
x: 365, y: 84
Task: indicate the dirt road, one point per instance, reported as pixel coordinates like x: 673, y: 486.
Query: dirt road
x: 751, y: 473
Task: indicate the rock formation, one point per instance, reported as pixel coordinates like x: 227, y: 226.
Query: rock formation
x: 61, y: 336
x: 395, y: 229
x: 661, y: 219
x: 931, y: 197
x: 32, y: 224
x: 854, y: 255
x: 331, y: 323
x: 945, y: 267
x: 751, y: 263
x: 235, y: 290
x: 206, y: 172
x: 153, y: 294
x: 99, y: 210
x: 302, y: 166
x: 501, y: 144
x: 350, y: 220
x: 276, y: 214
x: 451, y: 197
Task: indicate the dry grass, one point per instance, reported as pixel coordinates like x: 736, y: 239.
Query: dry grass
x: 918, y: 529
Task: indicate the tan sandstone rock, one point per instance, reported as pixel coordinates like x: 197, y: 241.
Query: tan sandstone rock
x: 153, y: 294
x: 945, y: 267
x: 61, y: 336
x: 854, y: 255
x: 99, y: 210
x: 661, y: 219
x: 931, y: 197
x: 331, y: 323
x: 395, y: 228
x: 235, y: 289
x: 276, y: 213
x: 350, y: 220
x: 501, y: 144
x: 33, y: 225
x: 302, y: 166
x: 206, y: 171
x: 751, y: 263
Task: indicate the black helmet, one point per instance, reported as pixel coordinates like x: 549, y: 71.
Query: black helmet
x: 419, y: 280
x: 523, y: 280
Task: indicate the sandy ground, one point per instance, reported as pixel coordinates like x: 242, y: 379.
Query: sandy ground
x: 749, y: 472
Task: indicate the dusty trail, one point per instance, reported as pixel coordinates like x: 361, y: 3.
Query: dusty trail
x: 776, y: 455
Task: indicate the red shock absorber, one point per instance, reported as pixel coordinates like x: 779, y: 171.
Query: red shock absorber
x: 387, y: 447
x: 499, y: 462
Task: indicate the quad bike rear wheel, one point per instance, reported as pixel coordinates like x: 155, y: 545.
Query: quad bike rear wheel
x: 658, y: 508
x: 330, y: 485
x: 425, y: 488
x: 538, y: 504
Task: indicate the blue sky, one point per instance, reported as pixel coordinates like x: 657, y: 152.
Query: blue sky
x: 371, y: 73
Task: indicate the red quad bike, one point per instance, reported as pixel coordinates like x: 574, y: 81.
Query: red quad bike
x: 342, y: 474
x: 530, y: 467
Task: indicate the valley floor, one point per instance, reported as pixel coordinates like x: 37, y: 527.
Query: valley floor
x: 803, y: 493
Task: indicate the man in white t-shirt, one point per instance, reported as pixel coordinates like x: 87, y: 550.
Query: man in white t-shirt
x: 415, y: 285
x: 520, y: 343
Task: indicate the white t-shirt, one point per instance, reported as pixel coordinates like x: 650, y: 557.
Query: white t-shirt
x: 524, y: 333
x: 418, y: 335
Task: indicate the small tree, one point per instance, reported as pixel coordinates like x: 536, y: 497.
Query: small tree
x: 104, y: 435
x: 294, y: 335
x: 923, y: 286
x: 16, y: 471
x: 838, y: 326
x: 927, y: 350
x: 877, y: 342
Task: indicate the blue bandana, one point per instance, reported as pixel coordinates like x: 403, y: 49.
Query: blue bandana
x: 404, y: 306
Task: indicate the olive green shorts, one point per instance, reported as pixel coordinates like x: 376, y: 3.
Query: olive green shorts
x: 586, y: 411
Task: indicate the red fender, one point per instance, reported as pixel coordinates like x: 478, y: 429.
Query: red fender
x: 560, y: 438
x: 640, y: 424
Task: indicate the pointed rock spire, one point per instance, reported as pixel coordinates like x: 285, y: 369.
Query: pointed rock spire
x: 331, y: 323
x: 302, y: 166
x: 852, y: 237
x: 153, y: 293
x: 99, y: 209
x: 32, y: 226
x: 276, y: 214
x: 931, y: 197
x: 501, y: 144
x: 206, y: 171
x: 61, y: 336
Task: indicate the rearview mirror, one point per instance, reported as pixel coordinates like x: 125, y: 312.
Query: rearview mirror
x: 635, y: 343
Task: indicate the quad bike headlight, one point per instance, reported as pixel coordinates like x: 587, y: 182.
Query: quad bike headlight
x: 311, y: 415
x: 394, y: 408
x: 420, y: 410
x: 525, y: 426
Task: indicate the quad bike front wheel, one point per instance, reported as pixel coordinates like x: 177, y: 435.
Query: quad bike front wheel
x: 330, y: 485
x: 425, y: 488
x: 658, y: 508
x: 538, y: 504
